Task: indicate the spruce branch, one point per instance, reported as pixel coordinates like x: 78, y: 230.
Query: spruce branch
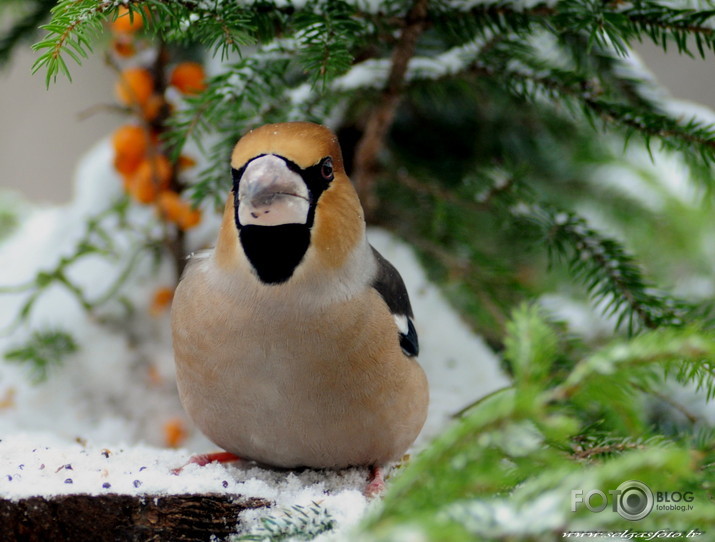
x: 69, y: 32
x: 682, y: 409
x: 693, y: 138
x: 531, y: 345
x: 95, y: 240
x: 606, y: 24
x: 75, y: 23
x: 440, y: 193
x: 610, y: 24
x: 221, y: 27
x: 701, y: 375
x: 294, y: 523
x: 608, y: 271
x: 488, y: 17
x: 23, y: 27
x: 686, y: 349
x: 469, y: 273
x: 505, y: 457
x: 327, y: 39
x: 611, y: 275
x: 43, y: 350
x: 605, y: 449
x: 618, y: 102
x: 663, y: 23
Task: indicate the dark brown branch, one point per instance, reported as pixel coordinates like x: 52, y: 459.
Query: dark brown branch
x: 175, y: 237
x: 692, y: 418
x: 483, y: 204
x: 672, y: 26
x: 383, y: 114
x: 588, y: 453
x: 439, y: 193
x: 589, y: 98
x: 462, y: 411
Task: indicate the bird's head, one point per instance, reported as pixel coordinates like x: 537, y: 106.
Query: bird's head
x: 292, y: 203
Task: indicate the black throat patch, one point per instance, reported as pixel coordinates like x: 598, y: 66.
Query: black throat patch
x: 275, y: 251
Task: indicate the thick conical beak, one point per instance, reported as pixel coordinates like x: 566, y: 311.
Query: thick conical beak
x: 270, y: 194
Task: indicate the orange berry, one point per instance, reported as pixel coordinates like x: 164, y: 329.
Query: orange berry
x: 151, y: 177
x: 8, y: 399
x: 158, y: 169
x: 161, y: 301
x: 126, y: 22
x: 142, y: 189
x: 189, y: 218
x: 188, y: 77
x: 126, y: 165
x: 171, y: 205
x: 175, y: 432
x: 153, y: 106
x: 135, y: 86
x: 123, y: 46
x: 130, y: 145
x: 186, y: 162
x: 130, y: 138
x: 176, y: 210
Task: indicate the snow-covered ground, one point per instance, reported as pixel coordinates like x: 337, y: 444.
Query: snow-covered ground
x: 98, y: 423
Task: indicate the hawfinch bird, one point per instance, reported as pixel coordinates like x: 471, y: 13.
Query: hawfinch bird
x: 293, y: 338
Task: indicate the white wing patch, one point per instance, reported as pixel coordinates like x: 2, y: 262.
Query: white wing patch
x: 200, y: 254
x: 402, y: 323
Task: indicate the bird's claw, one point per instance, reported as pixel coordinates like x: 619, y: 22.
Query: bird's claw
x: 376, y: 483
x: 205, y: 459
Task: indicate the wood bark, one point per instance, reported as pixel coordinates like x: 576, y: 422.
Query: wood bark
x: 382, y: 115
x: 114, y: 517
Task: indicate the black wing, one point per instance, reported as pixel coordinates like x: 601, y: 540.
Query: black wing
x: 391, y: 287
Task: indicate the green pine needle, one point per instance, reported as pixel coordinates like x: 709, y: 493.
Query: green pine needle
x: 43, y: 351
x: 294, y: 523
x: 610, y: 274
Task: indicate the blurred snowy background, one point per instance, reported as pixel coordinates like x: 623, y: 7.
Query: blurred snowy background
x: 118, y: 390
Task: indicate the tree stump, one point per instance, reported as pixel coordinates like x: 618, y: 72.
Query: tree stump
x: 114, y: 517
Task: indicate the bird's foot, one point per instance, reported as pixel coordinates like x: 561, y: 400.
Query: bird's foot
x: 375, y: 483
x: 205, y: 459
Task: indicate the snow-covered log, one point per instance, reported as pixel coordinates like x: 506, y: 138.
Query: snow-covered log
x: 84, y: 517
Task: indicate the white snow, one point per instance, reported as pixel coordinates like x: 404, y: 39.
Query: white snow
x: 500, y: 517
x: 371, y: 73
x: 97, y: 424
x: 450, y: 62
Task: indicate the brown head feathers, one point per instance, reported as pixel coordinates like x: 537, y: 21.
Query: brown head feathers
x: 303, y: 143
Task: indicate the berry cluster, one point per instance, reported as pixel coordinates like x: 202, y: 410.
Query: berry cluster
x: 149, y: 177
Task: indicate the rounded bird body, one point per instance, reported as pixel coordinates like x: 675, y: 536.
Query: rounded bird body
x: 293, y: 338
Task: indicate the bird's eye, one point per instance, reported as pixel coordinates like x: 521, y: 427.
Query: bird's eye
x: 326, y: 169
